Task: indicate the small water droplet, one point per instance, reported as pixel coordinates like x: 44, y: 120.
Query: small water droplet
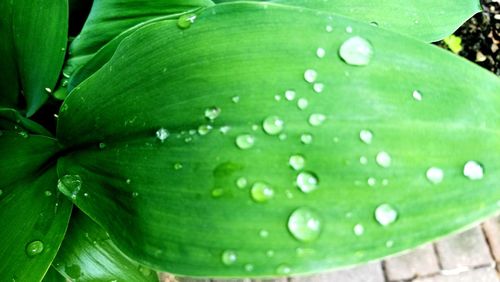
x: 385, y: 214
x: 277, y: 98
x: 316, y: 119
x: 320, y: 52
x: 224, y: 129
x: 70, y: 185
x: 48, y: 90
x: 371, y: 181
x: 366, y: 136
x: 473, y: 170
x: 383, y: 159
x: 241, y: 182
x: 282, y: 137
x: 385, y: 182
x: 34, y: 248
x: 310, y: 75
x: 145, y: 271
x: 304, y: 224
x: 358, y: 229
x: 23, y: 134
x: 236, y: 99
x: 273, y: 125
x: 217, y: 192
x: 307, y: 182
x: 162, y: 134
x: 135, y: 194
x: 290, y: 95
x: 297, y: 162
x: 46, y: 193
x: 306, y: 138
x: 102, y: 145
x: 356, y: 51
x: 261, y: 192
x: 435, y: 175
x: 204, y: 129
x: 128, y: 181
x: 363, y: 160
x: 249, y: 267
x: 389, y: 244
x: 186, y: 20
x: 178, y: 166
x: 302, y: 103
x: 417, y: 95
x: 245, y: 141
x: 318, y: 87
x: 283, y: 269
x: 269, y: 253
x: 229, y: 257
x: 212, y: 113
x: 263, y: 233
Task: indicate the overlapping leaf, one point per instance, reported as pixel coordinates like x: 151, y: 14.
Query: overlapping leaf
x: 174, y: 202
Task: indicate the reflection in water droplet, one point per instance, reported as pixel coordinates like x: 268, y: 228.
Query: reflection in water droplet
x: 385, y: 214
x: 261, y: 192
x: 212, y: 113
x: 383, y: 159
x: 435, y: 175
x: 273, y: 125
x: 162, y: 134
x: 366, y: 136
x: 316, y: 119
x: 34, y: 248
x: 186, y: 20
x: 358, y: 229
x: 245, y: 141
x: 241, y: 182
x: 229, y: 257
x: 297, y: 162
x: 70, y: 185
x: 306, y: 138
x: 356, y: 51
x: 320, y: 52
x: 304, y: 224
x: 417, y: 95
x: 302, y: 103
x: 310, y: 75
x: 307, y: 182
x: 473, y: 170
x: 290, y: 95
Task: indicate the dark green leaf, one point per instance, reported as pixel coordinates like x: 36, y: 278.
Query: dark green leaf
x: 11, y: 119
x: 33, y: 214
x: 175, y: 205
x: 9, y: 84
x: 87, y: 254
x: 53, y: 276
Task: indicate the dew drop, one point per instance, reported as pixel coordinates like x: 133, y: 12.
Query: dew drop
x: 473, y: 170
x: 366, y: 136
x: 290, y: 95
x: 34, y: 248
x: 385, y: 214
x: 316, y: 119
x: 70, y: 185
x: 329, y: 28
x: 273, y: 125
x: 178, y: 166
x: 417, y: 95
x: 217, y: 192
x: 383, y: 159
x: 435, y: 175
x: 282, y: 136
x: 245, y: 141
x: 283, y: 269
x: 304, y: 224
x: 128, y: 181
x: 363, y: 160
x: 269, y: 253
x: 162, y: 134
x: 358, y: 229
x: 389, y: 244
x: 48, y: 90
x: 204, y: 129
x: 249, y: 267
x: 212, y: 113
x: 263, y: 233
x: 320, y: 52
x: 241, y: 182
x: 302, y: 103
x: 23, y: 134
x: 371, y: 181
x: 135, y: 194
x: 277, y: 98
x: 235, y: 99
x: 229, y: 257
x: 46, y: 193
x: 356, y: 51
x: 297, y: 162
x: 224, y: 129
x: 102, y: 145
x: 306, y: 138
x: 318, y: 87
x: 375, y: 24
x: 186, y: 20
x: 261, y: 192
x: 310, y: 75
x: 348, y: 29
x: 307, y: 182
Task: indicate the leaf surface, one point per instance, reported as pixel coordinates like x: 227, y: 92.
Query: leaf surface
x: 171, y: 199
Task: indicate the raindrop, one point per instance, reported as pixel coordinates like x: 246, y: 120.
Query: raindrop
x: 102, y: 145
x: 277, y: 98
x: 135, y: 194
x: 282, y: 136
x: 290, y: 95
x: 316, y: 119
x: 162, y: 134
x: 269, y: 253
x: 245, y: 141
x: 204, y: 129
x: 358, y: 229
x: 249, y: 267
x: 70, y: 185
x: 318, y: 87
x: 306, y: 139
x: 320, y: 52
x: 261, y: 192
x: 302, y: 103
x: 128, y: 181
x: 48, y: 90
x: 385, y: 214
x: 46, y: 193
x: 217, y: 192
x: 145, y: 271
x: 389, y: 244
x: 366, y: 136
x: 383, y: 159
x: 283, y: 269
x: 273, y: 125
x: 224, y: 129
x: 212, y: 113
x: 23, y: 134
x: 385, y: 182
x: 473, y: 170
x: 417, y: 95
x: 356, y: 51
x: 241, y: 182
x: 186, y: 20
x: 328, y: 28
x: 235, y: 99
x: 255, y: 127
x: 348, y: 29
x: 229, y: 257
x: 264, y: 233
x: 363, y: 160
x: 310, y: 75
x: 435, y: 175
x: 177, y: 166
x: 304, y: 225
x: 371, y: 181
x: 307, y: 182
x: 297, y: 162
x: 34, y: 248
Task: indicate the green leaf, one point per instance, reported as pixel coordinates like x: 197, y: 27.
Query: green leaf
x: 11, y: 119
x: 33, y: 43
x: 53, y: 276
x: 175, y: 205
x: 426, y: 20
x: 33, y: 214
x: 87, y: 254
x: 108, y: 18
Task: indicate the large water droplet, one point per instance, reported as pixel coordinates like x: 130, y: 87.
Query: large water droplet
x: 212, y: 113
x: 310, y: 75
x: 162, y: 134
x: 473, y: 170
x: 283, y: 269
x: 385, y: 214
x: 241, y: 182
x: 273, y: 125
x: 435, y: 175
x: 70, y: 185
x: 261, y: 192
x: 304, y: 224
x: 297, y: 162
x: 366, y: 136
x: 383, y: 159
x: 356, y: 51
x: 245, y: 141
x: 302, y: 103
x: 358, y: 229
x: 229, y: 257
x: 316, y: 119
x: 306, y: 138
x: 307, y: 182
x: 34, y: 248
x: 186, y: 20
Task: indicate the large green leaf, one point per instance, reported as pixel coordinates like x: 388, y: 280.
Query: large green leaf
x: 427, y: 20
x: 32, y: 45
x: 33, y: 214
x: 53, y: 275
x: 175, y: 205
x: 11, y: 119
x: 108, y: 18
x: 87, y: 254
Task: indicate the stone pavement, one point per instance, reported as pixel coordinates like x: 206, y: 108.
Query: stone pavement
x: 471, y: 256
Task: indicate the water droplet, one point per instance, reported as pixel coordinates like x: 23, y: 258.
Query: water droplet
x: 282, y: 136
x: 297, y: 162
x: 212, y: 113
x: 363, y: 160
x: 128, y: 181
x: 178, y: 166
x: 23, y: 134
x: 249, y: 267
x: 269, y: 253
x: 348, y: 29
x: 385, y: 182
x: 245, y: 141
x: 241, y: 182
x: 162, y: 134
x: 358, y: 229
x: 34, y: 248
x: 320, y: 52
x: 70, y: 185
x: 135, y: 194
x: 264, y: 233
x: 255, y: 127
x: 273, y: 125
x: 229, y: 257
x: 329, y: 28
x: 304, y: 224
x: 389, y: 244
x: 356, y: 51
x: 316, y: 119
x: 310, y: 75
x: 204, y: 129
x: 307, y: 182
x: 417, y: 95
x: 46, y: 193
x: 318, y: 87
x: 48, y: 90
x: 145, y: 271
x: 283, y: 269
x: 302, y: 103
x: 236, y: 99
x: 102, y: 145
x: 186, y: 20
x: 290, y: 95
x: 277, y: 98
x: 435, y: 175
x: 473, y: 170
x: 224, y: 129
x: 217, y: 192
x: 261, y: 192
x: 306, y: 138
x: 366, y: 136
x: 385, y: 214
x: 371, y: 181
x: 383, y: 159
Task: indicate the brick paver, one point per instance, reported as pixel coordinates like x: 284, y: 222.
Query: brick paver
x: 492, y: 231
x: 418, y: 263
x: 371, y: 272
x: 476, y: 275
